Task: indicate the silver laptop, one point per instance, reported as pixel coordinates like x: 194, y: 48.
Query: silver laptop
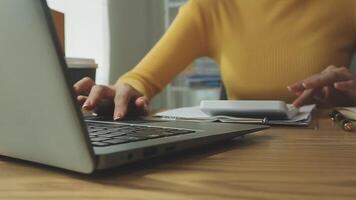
x: 41, y: 122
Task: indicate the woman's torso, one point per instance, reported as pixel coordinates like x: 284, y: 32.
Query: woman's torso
x: 264, y: 46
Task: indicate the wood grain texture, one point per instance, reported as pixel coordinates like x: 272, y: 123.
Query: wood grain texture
x: 318, y: 162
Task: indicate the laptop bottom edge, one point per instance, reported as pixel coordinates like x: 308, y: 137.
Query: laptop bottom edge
x: 112, y: 160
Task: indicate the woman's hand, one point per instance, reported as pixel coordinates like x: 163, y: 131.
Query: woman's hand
x: 125, y: 98
x: 335, y: 86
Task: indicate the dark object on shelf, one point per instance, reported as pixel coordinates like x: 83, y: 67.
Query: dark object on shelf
x: 59, y: 21
x: 209, y: 81
x: 79, y: 68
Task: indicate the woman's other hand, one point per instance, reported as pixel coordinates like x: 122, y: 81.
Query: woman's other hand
x: 335, y: 86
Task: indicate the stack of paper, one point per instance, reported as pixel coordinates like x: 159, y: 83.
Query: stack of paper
x: 303, y: 118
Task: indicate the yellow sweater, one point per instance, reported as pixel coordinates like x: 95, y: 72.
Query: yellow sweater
x: 261, y: 46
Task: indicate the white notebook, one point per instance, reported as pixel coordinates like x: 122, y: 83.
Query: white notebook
x: 272, y: 110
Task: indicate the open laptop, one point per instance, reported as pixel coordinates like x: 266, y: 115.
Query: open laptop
x: 41, y: 121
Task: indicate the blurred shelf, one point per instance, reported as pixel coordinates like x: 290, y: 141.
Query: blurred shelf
x: 190, y: 87
x: 184, y: 89
x: 175, y: 3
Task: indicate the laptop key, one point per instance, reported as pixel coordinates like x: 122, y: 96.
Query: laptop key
x: 146, y: 135
x: 177, y: 131
x: 130, y: 138
x: 116, y: 141
x: 147, y: 132
x: 99, y: 139
x: 166, y: 133
x: 94, y: 134
x: 113, y: 134
x: 102, y: 132
x: 100, y: 144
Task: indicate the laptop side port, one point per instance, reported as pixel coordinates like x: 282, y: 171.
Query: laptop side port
x: 170, y: 148
x: 150, y: 151
x: 129, y: 156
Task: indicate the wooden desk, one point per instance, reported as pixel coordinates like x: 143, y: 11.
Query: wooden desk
x: 318, y: 162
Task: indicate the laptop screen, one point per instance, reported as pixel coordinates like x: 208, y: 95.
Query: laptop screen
x: 39, y: 118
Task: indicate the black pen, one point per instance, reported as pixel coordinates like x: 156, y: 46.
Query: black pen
x: 345, y: 123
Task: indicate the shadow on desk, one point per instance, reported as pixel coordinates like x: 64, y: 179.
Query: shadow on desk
x: 138, y: 170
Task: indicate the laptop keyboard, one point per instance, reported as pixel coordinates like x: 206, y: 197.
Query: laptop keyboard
x: 102, y: 134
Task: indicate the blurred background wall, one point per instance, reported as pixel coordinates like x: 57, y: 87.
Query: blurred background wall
x: 135, y: 26
x: 87, y: 31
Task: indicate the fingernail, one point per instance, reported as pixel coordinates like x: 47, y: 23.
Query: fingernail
x: 304, y: 85
x: 117, y: 116
x: 85, y: 106
x: 141, y: 101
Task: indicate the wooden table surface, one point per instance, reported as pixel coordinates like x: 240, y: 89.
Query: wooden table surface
x: 317, y: 162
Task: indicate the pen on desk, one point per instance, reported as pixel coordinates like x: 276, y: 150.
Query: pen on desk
x: 338, y: 117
